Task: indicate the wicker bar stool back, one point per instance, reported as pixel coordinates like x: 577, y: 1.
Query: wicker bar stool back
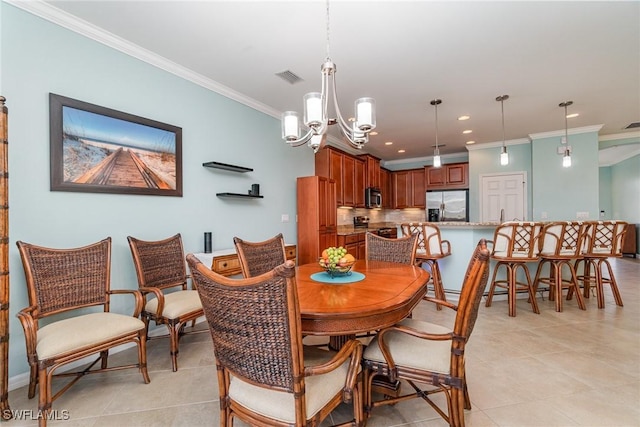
x: 514, y: 245
x: 75, y: 282
x: 162, y: 277
x: 425, y: 353
x: 431, y: 248
x: 257, y: 258
x: 264, y: 377
x: 401, y: 250
x: 559, y: 244
x: 602, y: 240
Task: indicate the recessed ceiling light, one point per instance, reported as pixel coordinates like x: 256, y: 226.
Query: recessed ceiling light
x: 351, y: 119
x: 572, y: 115
x: 400, y: 151
x: 388, y: 143
x: 374, y: 133
x: 467, y: 131
x: 470, y: 142
x: 464, y: 118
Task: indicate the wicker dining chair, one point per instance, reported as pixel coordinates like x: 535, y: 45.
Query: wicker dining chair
x: 401, y: 250
x: 602, y: 240
x: 162, y: 278
x: 431, y: 249
x: 259, y: 257
x: 265, y: 374
x: 75, y: 282
x: 559, y: 245
x: 515, y: 243
x: 420, y: 352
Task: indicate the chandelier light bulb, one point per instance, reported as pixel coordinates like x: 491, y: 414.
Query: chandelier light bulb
x: 504, y: 157
x: 566, y: 159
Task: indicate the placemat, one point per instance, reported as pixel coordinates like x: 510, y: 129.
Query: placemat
x: 324, y: 277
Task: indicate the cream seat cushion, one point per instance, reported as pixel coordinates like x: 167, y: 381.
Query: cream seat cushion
x: 413, y: 352
x: 176, y: 304
x: 320, y: 389
x: 87, y: 330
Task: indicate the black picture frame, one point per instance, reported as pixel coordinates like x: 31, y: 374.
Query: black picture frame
x: 96, y: 149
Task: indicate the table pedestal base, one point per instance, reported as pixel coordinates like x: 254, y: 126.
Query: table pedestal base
x: 381, y: 384
x: 336, y: 342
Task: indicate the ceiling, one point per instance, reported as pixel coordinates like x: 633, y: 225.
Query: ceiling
x: 403, y: 54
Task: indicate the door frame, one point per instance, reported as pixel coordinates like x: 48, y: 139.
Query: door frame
x: 525, y: 191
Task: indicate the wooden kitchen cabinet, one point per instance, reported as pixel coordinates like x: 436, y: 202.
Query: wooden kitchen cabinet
x: 451, y: 176
x: 354, y: 244
x: 359, y: 179
x: 372, y: 165
x: 629, y: 242
x: 349, y: 173
x: 385, y: 188
x: 317, y: 217
x: 408, y: 189
x: 329, y: 162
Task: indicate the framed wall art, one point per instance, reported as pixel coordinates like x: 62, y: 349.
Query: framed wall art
x: 99, y: 150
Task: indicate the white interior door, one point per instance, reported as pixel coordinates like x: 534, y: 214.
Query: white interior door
x: 506, y: 192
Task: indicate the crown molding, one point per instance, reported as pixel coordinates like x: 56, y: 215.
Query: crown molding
x: 560, y: 133
x: 618, y: 136
x: 497, y: 144
x: 79, y: 26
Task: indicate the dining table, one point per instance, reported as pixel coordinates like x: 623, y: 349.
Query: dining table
x: 372, y: 296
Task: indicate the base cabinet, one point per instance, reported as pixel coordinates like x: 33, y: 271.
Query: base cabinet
x: 354, y: 244
x: 629, y: 242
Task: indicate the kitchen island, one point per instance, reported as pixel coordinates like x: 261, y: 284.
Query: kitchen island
x: 463, y: 237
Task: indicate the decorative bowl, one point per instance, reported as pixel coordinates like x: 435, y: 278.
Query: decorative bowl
x: 338, y: 270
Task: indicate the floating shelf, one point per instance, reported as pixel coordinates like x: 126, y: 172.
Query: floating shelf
x: 225, y: 166
x: 244, y: 196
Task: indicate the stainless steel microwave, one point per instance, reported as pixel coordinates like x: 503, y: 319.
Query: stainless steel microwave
x: 372, y: 197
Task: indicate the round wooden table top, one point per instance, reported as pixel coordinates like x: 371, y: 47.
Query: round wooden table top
x: 386, y: 295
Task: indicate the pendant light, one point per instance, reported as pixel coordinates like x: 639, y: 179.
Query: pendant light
x: 316, y: 113
x: 566, y: 157
x: 504, y: 156
x: 436, y: 153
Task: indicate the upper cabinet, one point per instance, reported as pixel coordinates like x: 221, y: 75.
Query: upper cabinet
x: 385, y: 188
x: 408, y: 188
x: 349, y: 173
x: 451, y: 176
x: 372, y: 166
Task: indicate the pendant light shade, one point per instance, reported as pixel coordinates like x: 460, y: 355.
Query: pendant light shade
x: 436, y: 153
x: 504, y: 156
x: 566, y: 157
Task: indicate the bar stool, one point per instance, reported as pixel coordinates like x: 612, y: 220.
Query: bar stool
x: 514, y: 245
x: 559, y: 244
x: 602, y: 240
x: 431, y: 248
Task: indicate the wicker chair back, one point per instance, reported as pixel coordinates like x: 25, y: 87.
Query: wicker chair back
x: 60, y: 280
x: 401, y: 250
x: 257, y: 258
x: 159, y: 264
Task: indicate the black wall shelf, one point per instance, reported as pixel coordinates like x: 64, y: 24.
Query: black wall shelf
x: 225, y: 166
x: 243, y: 196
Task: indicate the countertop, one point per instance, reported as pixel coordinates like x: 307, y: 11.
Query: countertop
x: 345, y: 230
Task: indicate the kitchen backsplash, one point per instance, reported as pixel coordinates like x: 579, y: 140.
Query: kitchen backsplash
x: 345, y: 215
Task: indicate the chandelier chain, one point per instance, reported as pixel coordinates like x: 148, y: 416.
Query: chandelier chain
x: 328, y: 32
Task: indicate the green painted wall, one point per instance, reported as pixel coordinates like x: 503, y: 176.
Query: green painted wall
x: 559, y: 193
x: 39, y: 57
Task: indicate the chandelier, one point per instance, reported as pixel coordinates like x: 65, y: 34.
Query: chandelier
x: 316, y: 113
x: 504, y: 156
x: 566, y: 157
x: 436, y: 153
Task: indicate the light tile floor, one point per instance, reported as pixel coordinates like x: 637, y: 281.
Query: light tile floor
x: 575, y: 368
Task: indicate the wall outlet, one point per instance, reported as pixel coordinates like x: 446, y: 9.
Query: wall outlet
x: 582, y: 215
x: 284, y: 218
x: 544, y: 215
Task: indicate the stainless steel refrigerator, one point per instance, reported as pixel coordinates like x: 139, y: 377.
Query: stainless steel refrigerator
x: 448, y: 205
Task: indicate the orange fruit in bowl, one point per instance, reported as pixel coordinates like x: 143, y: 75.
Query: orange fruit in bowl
x: 349, y: 258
